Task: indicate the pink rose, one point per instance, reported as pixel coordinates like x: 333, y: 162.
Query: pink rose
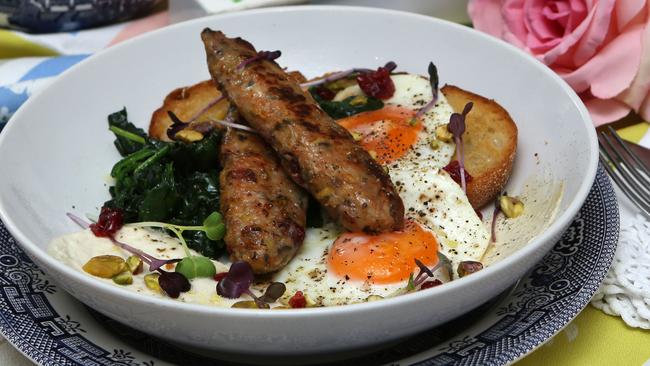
x: 599, y: 47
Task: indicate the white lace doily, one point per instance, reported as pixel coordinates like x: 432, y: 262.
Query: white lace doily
x: 626, y: 289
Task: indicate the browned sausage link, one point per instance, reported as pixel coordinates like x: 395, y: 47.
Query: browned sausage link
x: 317, y: 153
x: 264, y: 210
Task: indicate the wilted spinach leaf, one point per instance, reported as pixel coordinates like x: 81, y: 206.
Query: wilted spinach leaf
x: 118, y: 122
x: 344, y: 108
x: 171, y: 182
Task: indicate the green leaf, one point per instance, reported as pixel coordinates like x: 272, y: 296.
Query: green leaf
x: 344, y: 109
x: 124, y: 141
x: 216, y: 232
x: 196, y: 266
x: 130, y: 163
x: 213, y: 219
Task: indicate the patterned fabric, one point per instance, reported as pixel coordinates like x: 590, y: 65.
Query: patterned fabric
x: 20, y: 77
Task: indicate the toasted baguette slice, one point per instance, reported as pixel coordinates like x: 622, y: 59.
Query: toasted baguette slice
x: 490, y: 144
x: 185, y: 103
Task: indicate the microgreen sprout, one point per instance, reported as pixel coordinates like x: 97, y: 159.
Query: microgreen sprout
x: 239, y: 278
x: 206, y: 108
x: 261, y: 55
x: 193, y: 266
x: 495, y: 214
x: 179, y: 125
x: 176, y: 126
x: 425, y: 272
x: 213, y: 227
x: 457, y: 127
x: 390, y: 66
x: 433, y: 81
x: 153, y: 262
x: 238, y: 281
x: 171, y: 282
x: 234, y: 125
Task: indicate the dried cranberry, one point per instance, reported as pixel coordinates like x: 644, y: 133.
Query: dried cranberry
x: 453, y: 169
x: 298, y: 300
x: 110, y: 221
x: 432, y: 283
x: 324, y: 93
x: 220, y: 276
x: 377, y: 84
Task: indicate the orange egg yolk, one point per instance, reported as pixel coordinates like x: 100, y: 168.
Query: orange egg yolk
x: 386, y: 133
x: 385, y: 258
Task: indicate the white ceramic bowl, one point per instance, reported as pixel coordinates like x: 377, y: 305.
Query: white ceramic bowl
x: 56, y: 153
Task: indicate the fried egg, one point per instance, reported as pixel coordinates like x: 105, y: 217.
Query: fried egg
x: 414, y: 158
x: 333, y: 267
x: 337, y: 268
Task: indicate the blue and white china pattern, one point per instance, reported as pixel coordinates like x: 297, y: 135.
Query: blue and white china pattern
x: 38, y: 318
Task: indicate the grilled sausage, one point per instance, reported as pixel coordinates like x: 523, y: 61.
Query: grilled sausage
x: 264, y: 210
x: 316, y: 152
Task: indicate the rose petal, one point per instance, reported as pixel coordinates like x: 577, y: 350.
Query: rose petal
x: 635, y: 95
x: 604, y: 111
x: 568, y: 41
x: 593, y: 38
x: 626, y: 10
x: 515, y: 30
x: 486, y: 16
x: 610, y: 71
x: 644, y: 110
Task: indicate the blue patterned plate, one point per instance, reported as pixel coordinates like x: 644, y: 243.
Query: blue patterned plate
x: 50, y: 327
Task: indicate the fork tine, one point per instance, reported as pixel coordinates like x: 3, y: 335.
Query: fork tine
x: 645, y: 210
x: 635, y: 186
x: 622, y: 180
x: 624, y: 165
x: 642, y: 165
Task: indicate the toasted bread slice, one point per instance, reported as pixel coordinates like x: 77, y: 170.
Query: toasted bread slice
x: 489, y: 141
x: 185, y: 103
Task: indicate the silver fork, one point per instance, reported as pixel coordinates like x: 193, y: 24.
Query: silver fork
x: 630, y: 173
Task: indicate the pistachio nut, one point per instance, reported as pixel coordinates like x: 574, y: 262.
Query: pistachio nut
x: 443, y: 134
x: 151, y: 281
x: 468, y: 267
x: 188, y: 135
x: 105, y: 266
x: 511, y: 206
x: 359, y: 100
x: 134, y: 264
x: 124, y: 278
